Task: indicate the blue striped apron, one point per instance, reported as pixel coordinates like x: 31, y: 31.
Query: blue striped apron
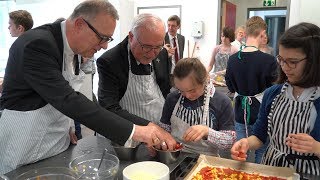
x: 289, y: 116
x: 183, y: 118
x: 44, y: 132
x: 143, y: 96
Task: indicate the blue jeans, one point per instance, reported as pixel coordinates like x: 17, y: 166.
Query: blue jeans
x: 241, y: 133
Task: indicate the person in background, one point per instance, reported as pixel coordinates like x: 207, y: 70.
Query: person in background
x: 196, y: 114
x: 248, y: 74
x: 134, y: 75
x: 174, y: 42
x: 289, y: 113
x: 40, y: 90
x: 220, y: 56
x: 20, y: 21
x: 222, y: 52
x: 240, y: 37
x: 264, y: 47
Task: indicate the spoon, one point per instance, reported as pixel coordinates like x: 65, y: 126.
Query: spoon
x: 104, y: 152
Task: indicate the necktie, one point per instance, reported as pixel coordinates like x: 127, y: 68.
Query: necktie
x: 76, y: 64
x: 145, y: 69
x: 176, y: 55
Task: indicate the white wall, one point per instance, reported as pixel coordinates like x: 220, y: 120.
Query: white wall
x: 126, y: 13
x: 191, y: 11
x: 304, y: 11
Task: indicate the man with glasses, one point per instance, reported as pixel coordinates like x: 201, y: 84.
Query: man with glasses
x: 40, y: 90
x: 134, y: 75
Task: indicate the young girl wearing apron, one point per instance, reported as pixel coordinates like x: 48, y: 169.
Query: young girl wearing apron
x: 196, y: 115
x: 289, y: 113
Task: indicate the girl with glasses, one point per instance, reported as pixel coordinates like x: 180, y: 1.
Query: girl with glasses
x: 289, y: 112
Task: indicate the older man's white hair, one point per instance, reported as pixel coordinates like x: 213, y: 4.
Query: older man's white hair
x: 147, y: 21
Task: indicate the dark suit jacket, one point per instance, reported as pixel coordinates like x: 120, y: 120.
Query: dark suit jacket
x: 113, y: 69
x: 34, y: 78
x: 181, y: 41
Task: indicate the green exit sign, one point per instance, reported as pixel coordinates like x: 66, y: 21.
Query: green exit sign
x: 269, y: 2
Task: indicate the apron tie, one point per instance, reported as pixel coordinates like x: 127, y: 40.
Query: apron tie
x: 246, y: 103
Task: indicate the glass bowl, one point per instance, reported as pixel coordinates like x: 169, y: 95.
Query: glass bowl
x: 48, y: 173
x: 87, y: 166
x: 3, y: 177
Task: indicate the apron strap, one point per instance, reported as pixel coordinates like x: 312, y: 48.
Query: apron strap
x: 246, y: 102
x: 209, y: 92
x: 241, y: 48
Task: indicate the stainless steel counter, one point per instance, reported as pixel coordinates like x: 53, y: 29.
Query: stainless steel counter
x: 87, y: 145
x: 98, y: 144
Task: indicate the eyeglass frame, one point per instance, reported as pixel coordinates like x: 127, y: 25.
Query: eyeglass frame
x: 293, y: 65
x: 103, y: 39
x: 143, y: 46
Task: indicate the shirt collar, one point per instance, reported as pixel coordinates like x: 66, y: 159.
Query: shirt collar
x: 171, y: 37
x: 134, y: 59
x: 66, y: 48
x: 138, y: 63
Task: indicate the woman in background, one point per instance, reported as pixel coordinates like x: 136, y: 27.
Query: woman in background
x: 220, y: 56
x: 222, y: 52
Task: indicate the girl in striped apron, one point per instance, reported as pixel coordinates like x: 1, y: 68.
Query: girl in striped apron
x: 283, y: 121
x: 197, y: 115
x: 289, y: 112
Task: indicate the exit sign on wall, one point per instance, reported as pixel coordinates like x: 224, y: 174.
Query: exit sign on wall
x: 269, y: 2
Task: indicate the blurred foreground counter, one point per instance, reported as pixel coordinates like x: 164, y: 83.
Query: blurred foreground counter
x: 98, y: 144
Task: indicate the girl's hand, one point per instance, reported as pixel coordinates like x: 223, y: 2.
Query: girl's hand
x: 196, y: 133
x: 303, y: 143
x: 239, y: 150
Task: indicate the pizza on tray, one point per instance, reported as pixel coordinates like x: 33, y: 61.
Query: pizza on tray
x: 222, y: 173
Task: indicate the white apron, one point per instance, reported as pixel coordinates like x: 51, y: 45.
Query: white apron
x: 179, y: 127
x: 143, y: 96
x: 43, y: 132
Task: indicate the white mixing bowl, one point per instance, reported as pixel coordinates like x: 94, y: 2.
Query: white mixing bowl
x: 150, y: 170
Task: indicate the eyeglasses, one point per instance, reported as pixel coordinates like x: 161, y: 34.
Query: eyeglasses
x: 103, y: 39
x: 147, y: 48
x: 291, y: 64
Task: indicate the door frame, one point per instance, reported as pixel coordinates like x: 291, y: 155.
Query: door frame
x: 271, y: 9
x: 220, y: 14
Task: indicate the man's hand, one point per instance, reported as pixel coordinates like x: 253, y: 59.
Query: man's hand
x: 153, y: 135
x: 196, y: 133
x: 170, y: 49
x: 73, y: 137
x: 303, y: 143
